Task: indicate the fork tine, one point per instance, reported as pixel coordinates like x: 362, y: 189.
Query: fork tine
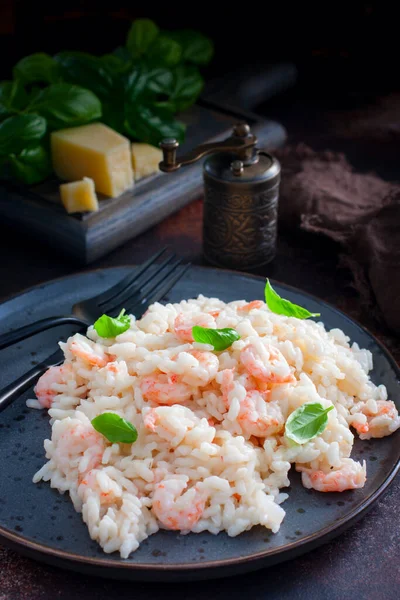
x: 139, y: 309
x: 128, y: 280
x: 136, y: 297
x: 132, y: 289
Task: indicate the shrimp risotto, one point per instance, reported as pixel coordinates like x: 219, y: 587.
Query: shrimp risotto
x: 153, y: 429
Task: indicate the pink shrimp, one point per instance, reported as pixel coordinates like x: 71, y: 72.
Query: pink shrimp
x: 79, y: 439
x: 254, y: 304
x: 266, y: 364
x: 204, y: 371
x: 259, y: 418
x: 89, y: 351
x: 184, y: 324
x: 44, y: 389
x: 165, y: 389
x: 108, y: 493
x: 349, y: 476
x: 382, y: 423
x: 177, y: 510
x: 227, y: 385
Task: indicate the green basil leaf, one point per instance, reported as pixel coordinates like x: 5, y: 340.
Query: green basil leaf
x: 164, y: 52
x: 196, y: 47
x: 221, y: 339
x: 109, y: 327
x: 152, y: 124
x: 141, y: 35
x: 136, y: 84
x: 115, y: 65
x: 180, y: 86
x: 20, y: 132
x: 87, y: 71
x: 66, y: 105
x: 115, y: 428
x: 36, y: 68
x: 13, y: 98
x: 31, y: 166
x: 279, y: 306
x: 307, y: 422
x: 122, y: 53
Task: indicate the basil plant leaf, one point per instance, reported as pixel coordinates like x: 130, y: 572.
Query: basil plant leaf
x: 179, y: 87
x: 115, y: 428
x: 20, y: 132
x: 141, y: 35
x: 116, y: 65
x: 307, y: 422
x: 196, y: 47
x: 152, y: 124
x: 66, y: 105
x: 280, y: 306
x: 164, y: 52
x: 221, y: 339
x: 109, y: 327
x: 36, y: 68
x: 31, y: 166
x: 13, y: 98
x: 87, y: 71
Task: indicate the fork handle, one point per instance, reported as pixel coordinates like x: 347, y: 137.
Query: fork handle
x: 7, y: 339
x: 12, y: 391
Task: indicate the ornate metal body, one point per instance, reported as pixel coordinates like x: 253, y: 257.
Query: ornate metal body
x: 241, y: 190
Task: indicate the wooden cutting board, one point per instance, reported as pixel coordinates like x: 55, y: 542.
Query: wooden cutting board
x: 38, y: 211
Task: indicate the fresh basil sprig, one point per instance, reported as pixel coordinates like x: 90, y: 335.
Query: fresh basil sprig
x: 307, y: 422
x: 221, y: 339
x: 20, y: 132
x: 30, y: 166
x: 115, y: 428
x: 109, y: 327
x: 36, y: 68
x: 136, y: 90
x: 280, y: 306
x: 66, y: 105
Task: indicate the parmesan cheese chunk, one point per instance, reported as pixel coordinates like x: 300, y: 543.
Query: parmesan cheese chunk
x: 79, y: 196
x: 94, y: 151
x: 145, y: 159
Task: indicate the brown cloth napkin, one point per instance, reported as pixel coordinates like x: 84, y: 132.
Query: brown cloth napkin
x: 321, y: 193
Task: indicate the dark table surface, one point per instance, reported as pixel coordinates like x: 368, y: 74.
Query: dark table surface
x: 363, y: 562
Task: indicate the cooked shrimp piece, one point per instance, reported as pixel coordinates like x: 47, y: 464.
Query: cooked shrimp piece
x: 267, y: 364
x: 165, y: 389
x: 349, y: 476
x: 251, y: 305
x: 384, y: 422
x: 108, y: 493
x: 79, y: 439
x: 176, y: 509
x: 184, y: 324
x: 227, y: 385
x: 44, y: 389
x: 89, y: 351
x: 259, y: 418
x: 171, y: 423
x: 204, y: 371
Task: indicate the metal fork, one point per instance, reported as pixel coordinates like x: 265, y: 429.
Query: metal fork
x: 136, y: 303
x: 87, y: 311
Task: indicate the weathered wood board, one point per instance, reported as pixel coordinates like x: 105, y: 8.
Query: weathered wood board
x: 87, y: 237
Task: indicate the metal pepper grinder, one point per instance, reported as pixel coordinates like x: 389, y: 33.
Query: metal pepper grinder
x: 241, y: 189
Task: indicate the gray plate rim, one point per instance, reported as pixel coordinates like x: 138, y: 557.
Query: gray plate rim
x: 290, y: 549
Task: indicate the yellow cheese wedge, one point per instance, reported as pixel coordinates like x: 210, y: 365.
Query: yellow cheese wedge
x: 79, y: 196
x: 145, y: 159
x: 94, y: 151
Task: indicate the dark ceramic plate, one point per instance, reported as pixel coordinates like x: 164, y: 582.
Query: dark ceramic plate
x: 39, y: 522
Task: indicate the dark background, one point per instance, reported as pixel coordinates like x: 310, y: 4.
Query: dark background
x: 347, y: 57
x: 341, y: 49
